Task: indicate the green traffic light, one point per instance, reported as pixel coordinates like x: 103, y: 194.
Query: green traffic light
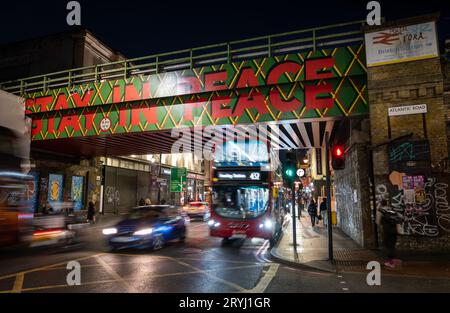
x: 289, y: 172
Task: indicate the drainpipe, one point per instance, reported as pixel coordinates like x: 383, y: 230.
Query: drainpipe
x: 374, y: 199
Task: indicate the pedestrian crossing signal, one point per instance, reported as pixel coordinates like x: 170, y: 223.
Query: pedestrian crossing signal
x: 338, y: 158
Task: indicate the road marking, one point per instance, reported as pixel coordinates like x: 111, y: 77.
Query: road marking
x: 131, y: 279
x: 152, y: 259
x: 115, y: 275
x: 18, y: 283
x: 308, y: 272
x: 260, y: 254
x: 205, y: 272
x: 36, y: 269
x: 265, y: 280
x: 188, y: 258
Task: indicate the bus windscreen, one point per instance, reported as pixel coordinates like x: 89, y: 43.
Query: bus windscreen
x: 240, y: 202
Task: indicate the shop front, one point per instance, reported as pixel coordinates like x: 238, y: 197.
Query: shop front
x: 195, y: 187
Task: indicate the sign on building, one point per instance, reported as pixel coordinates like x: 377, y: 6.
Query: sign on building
x: 408, y: 110
x: 401, y: 44
x: 178, y: 179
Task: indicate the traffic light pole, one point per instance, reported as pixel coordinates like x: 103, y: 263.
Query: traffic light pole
x: 328, y: 191
x: 294, y: 221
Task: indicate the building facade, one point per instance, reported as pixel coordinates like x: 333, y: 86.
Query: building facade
x: 401, y: 152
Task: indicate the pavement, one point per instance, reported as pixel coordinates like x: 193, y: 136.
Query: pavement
x: 312, y: 252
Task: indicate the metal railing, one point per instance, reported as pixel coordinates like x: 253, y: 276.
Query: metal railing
x: 223, y: 53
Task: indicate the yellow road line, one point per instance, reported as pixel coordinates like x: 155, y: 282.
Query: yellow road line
x: 134, y: 278
x: 18, y: 283
x: 150, y: 260
x: 47, y: 266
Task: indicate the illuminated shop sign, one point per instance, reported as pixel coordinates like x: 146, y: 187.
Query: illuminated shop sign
x: 239, y: 175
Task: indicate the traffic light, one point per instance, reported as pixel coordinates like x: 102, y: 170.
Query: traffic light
x: 338, y: 158
x: 290, y: 167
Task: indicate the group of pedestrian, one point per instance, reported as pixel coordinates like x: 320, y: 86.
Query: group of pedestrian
x: 318, y: 215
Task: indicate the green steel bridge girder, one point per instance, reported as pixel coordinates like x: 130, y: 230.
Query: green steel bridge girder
x: 263, y: 90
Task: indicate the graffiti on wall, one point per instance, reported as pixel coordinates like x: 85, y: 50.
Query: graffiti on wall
x: 440, y: 195
x: 409, y: 151
x: 112, y: 195
x: 422, y: 201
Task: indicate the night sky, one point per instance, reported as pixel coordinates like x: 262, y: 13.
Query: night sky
x: 138, y: 27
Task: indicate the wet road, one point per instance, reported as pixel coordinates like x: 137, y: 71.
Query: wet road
x: 200, y: 264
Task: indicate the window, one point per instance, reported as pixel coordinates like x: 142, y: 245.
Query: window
x: 240, y: 202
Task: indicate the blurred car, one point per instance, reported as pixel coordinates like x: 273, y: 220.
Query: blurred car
x: 16, y: 217
x: 197, y: 210
x: 146, y: 227
x: 52, y: 230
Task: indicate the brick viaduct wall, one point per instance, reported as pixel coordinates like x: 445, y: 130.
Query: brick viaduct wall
x: 353, y: 192
x: 408, y: 83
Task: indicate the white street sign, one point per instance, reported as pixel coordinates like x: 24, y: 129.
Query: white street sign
x: 408, y: 109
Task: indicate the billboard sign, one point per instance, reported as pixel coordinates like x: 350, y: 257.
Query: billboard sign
x: 55, y: 188
x: 401, y: 44
x: 77, y: 192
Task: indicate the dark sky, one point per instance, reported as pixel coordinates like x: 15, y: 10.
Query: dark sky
x: 138, y: 27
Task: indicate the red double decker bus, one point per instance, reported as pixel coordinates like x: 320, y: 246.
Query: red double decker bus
x: 243, y: 205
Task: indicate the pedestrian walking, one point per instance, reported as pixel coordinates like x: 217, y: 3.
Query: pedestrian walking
x: 388, y: 219
x: 312, y: 211
x: 91, y: 212
x: 324, y: 211
x: 301, y: 207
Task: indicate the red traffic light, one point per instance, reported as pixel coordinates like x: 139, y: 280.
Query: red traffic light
x: 338, y: 160
x: 338, y: 151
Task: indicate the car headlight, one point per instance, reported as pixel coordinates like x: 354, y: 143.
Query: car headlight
x: 211, y: 222
x: 143, y: 232
x: 109, y: 231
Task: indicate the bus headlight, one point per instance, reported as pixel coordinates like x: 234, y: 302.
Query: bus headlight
x: 213, y: 223
x: 267, y: 224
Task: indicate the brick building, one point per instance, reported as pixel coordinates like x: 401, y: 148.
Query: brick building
x: 405, y: 158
